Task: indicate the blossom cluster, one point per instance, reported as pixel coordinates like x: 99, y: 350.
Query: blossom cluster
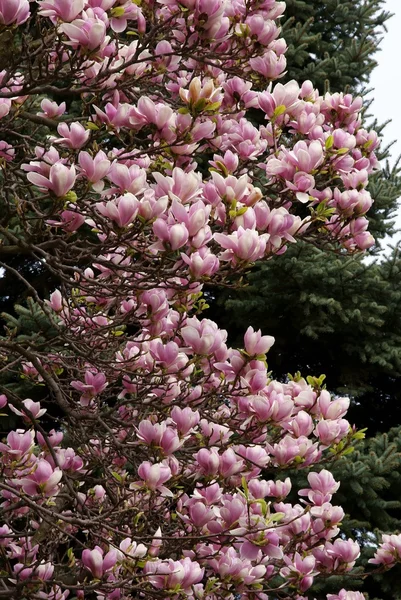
x: 167, y: 473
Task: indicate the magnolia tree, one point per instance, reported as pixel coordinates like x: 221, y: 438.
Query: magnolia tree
x: 156, y: 464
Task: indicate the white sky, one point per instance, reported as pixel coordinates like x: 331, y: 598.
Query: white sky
x: 386, y: 81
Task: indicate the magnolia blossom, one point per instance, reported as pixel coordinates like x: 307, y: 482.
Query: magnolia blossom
x: 170, y: 574
x: 89, y: 33
x: 44, y: 479
x: 14, y: 12
x: 31, y: 407
x: 60, y: 181
x: 74, y: 135
x: 389, y: 551
x: 162, y: 460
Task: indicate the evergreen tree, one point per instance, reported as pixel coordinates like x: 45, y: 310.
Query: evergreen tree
x: 333, y: 42
x: 341, y: 315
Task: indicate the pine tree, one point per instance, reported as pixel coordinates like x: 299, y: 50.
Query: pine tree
x: 333, y: 42
x: 341, y: 314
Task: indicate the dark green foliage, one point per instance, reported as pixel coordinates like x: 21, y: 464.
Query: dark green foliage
x: 13, y: 289
x: 370, y: 494
x: 329, y: 314
x: 335, y: 314
x: 332, y: 314
x: 333, y: 42
x: 29, y: 324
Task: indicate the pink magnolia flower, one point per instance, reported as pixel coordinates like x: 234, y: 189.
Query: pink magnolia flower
x: 289, y: 448
x: 5, y: 107
x: 200, y: 90
x: 300, y: 570
x: 54, y: 438
x: 89, y: 33
x: 55, y: 593
x: 323, y: 486
x: 265, y: 30
x: 329, y: 431
x: 71, y: 220
x: 242, y: 245
x: 216, y: 24
x: 56, y: 301
x: 52, y: 109
x: 332, y: 409
x: 306, y: 157
x: 32, y: 407
x: 286, y: 96
x: 156, y: 544
x: 6, y: 151
x: 19, y: 444
x: 98, y: 564
x: 13, y: 12
x: 94, y: 384
x: 344, y: 553
x: 175, y: 235
x: 240, y: 569
x: 301, y: 424
x: 74, y: 135
x: 114, y: 116
x: 125, y: 11
x: 230, y: 463
x: 169, y: 574
x: 154, y: 475
x: 204, y: 337
x: 5, y: 530
x: 127, y: 179
x: 185, y: 419
x: 94, y: 169
x: 255, y: 343
x: 200, y: 515
x: 67, y: 460
x: 389, y: 551
x: 324, y: 515
x: 202, y: 263
x: 269, y: 65
x: 208, y: 461
x: 61, y: 179
x: 159, y: 435
x: 22, y: 572
x: 43, y: 571
x: 122, y: 210
x: 346, y: 595
x: 147, y: 112
x: 184, y: 187
x: 274, y: 489
x: 44, y: 480
x: 131, y: 549
x: 3, y: 400
x: 65, y: 10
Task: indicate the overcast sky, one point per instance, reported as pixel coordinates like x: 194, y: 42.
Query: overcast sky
x: 386, y: 78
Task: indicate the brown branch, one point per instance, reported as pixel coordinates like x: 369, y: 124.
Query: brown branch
x: 50, y: 123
